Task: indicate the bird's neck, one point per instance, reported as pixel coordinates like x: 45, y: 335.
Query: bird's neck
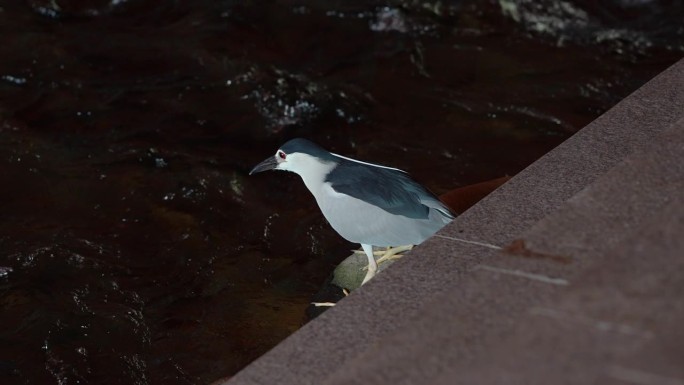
x: 314, y: 175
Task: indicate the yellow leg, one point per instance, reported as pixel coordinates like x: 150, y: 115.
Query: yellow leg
x: 372, y: 267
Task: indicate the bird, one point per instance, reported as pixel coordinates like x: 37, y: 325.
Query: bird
x: 365, y: 203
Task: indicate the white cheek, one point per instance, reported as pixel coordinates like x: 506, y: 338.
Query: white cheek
x: 285, y: 166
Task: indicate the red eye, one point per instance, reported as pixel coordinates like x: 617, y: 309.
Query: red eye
x: 281, y: 155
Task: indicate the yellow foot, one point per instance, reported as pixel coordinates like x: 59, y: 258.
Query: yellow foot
x: 377, y: 253
x: 393, y: 253
x: 388, y: 254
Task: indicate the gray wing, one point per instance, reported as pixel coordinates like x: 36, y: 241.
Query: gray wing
x: 392, y: 190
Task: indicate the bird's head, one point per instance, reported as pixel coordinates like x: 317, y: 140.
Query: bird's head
x: 300, y: 156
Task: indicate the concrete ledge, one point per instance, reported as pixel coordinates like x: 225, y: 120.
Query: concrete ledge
x: 599, y: 222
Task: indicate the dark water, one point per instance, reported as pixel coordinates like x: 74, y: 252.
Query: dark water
x: 134, y: 249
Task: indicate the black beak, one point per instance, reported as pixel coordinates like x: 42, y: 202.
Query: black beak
x: 268, y: 164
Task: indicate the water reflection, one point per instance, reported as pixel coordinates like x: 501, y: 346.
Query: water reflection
x: 135, y: 249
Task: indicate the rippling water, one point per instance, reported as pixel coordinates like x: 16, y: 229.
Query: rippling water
x: 135, y: 249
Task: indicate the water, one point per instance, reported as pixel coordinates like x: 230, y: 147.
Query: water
x: 134, y: 247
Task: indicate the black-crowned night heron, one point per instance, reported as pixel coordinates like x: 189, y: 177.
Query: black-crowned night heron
x: 365, y: 203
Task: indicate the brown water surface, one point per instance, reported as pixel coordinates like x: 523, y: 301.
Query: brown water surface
x: 134, y: 249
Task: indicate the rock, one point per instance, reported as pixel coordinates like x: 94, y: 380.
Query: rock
x: 350, y: 273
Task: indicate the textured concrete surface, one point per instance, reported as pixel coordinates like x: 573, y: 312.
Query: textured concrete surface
x: 589, y: 289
